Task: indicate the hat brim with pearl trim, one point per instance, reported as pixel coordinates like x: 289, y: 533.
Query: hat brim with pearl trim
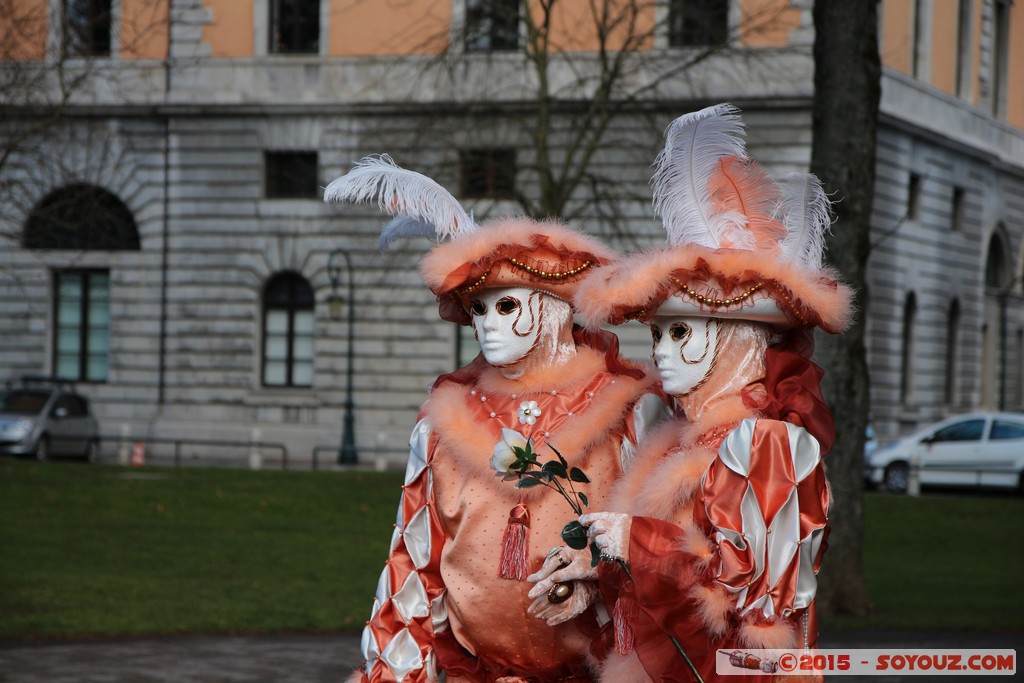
x: 545, y: 256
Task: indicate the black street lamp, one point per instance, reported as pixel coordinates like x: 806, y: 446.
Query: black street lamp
x: 347, y: 454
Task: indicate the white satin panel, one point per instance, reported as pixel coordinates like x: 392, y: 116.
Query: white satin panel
x: 417, y: 538
x: 411, y: 600
x: 439, y: 612
x: 735, y: 450
x: 402, y: 655
x: 383, y: 586
x: 370, y: 649
x: 418, y: 441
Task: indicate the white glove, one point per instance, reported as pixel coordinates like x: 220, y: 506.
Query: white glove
x: 609, y: 531
x: 563, y: 565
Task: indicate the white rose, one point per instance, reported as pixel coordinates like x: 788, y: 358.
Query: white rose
x: 504, y: 453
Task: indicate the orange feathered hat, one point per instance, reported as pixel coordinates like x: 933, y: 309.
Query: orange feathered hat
x: 742, y: 245
x: 513, y: 252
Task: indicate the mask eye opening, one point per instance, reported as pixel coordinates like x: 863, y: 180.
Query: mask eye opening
x: 477, y: 307
x: 680, y: 331
x: 507, y: 305
x: 655, y: 333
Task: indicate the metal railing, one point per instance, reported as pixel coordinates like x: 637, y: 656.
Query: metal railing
x: 368, y: 457
x: 253, y: 450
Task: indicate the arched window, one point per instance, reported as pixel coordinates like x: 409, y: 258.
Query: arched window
x: 81, y: 216
x: 997, y: 267
x: 952, y: 350
x: 288, y: 304
x: 907, y: 369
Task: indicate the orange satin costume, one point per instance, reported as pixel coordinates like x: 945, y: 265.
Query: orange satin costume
x: 707, y: 496
x: 440, y: 604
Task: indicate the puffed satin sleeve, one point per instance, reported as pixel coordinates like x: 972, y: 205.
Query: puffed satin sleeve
x: 765, y: 501
x: 409, y: 606
x: 762, y: 504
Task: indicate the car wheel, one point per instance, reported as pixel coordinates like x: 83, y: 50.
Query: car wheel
x: 43, y: 448
x: 897, y: 475
x: 92, y: 452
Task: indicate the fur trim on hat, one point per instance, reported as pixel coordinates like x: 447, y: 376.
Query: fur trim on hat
x: 558, y: 256
x: 635, y: 287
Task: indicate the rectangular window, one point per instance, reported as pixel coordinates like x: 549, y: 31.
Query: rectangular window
x: 487, y: 173
x: 914, y: 197
x: 289, y: 331
x: 963, y: 49
x: 290, y: 175
x: 81, y: 306
x: 959, y: 196
x: 492, y: 25
x: 295, y: 27
x: 86, y: 28
x: 698, y: 23
x: 917, y: 48
x: 1000, y: 58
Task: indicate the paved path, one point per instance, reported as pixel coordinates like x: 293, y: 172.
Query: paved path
x: 327, y: 658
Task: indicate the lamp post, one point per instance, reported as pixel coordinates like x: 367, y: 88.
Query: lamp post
x: 347, y: 453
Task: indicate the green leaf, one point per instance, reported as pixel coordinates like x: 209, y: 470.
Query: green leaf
x: 528, y: 483
x: 595, y: 555
x: 556, y: 468
x: 583, y: 498
x: 560, y: 458
x: 575, y: 535
x: 576, y: 474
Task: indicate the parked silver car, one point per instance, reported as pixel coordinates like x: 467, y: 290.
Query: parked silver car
x: 980, y: 449
x: 43, y: 417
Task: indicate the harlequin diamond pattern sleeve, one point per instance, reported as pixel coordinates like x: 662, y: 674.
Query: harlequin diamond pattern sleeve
x: 765, y: 498
x: 409, y: 606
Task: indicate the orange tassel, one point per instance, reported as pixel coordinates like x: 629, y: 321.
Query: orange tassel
x: 623, y: 631
x: 515, y: 544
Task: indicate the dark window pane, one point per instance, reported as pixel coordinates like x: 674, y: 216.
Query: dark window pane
x: 487, y: 173
x: 288, y: 303
x: 295, y: 26
x: 81, y: 216
x: 87, y: 28
x: 961, y: 431
x: 291, y: 175
x: 492, y: 25
x: 1006, y: 430
x: 81, y: 349
x: 698, y: 23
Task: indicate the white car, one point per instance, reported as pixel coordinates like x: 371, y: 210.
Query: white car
x: 980, y: 449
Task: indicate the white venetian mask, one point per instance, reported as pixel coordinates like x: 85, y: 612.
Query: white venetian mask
x: 684, y: 351
x: 507, y: 323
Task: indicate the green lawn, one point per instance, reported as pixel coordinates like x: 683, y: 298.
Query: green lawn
x: 109, y: 550
x: 99, y: 549
x: 942, y: 561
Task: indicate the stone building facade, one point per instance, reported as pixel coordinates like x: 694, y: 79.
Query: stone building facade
x: 203, y: 303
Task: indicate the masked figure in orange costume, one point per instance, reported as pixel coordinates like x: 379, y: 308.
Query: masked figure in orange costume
x: 453, y: 596
x: 714, y: 536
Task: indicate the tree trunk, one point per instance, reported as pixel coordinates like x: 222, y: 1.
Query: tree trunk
x: 847, y: 88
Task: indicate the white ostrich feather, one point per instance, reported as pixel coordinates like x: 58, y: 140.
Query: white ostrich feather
x: 805, y: 212
x: 403, y: 226
x: 694, y: 144
x: 400, y: 192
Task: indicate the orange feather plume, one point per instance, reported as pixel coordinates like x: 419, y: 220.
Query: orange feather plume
x: 741, y: 186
